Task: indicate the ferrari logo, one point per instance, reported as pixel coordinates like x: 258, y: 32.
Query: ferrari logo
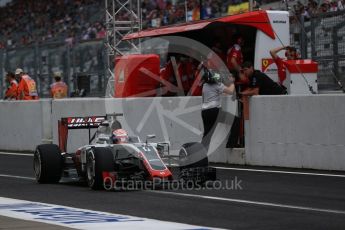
x: 265, y: 64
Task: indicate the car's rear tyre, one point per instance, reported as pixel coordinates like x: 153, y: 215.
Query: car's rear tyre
x: 192, y: 155
x: 98, y: 160
x: 48, y: 163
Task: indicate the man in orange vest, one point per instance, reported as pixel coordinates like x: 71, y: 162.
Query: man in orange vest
x: 59, y: 88
x: 11, y: 92
x: 27, y: 86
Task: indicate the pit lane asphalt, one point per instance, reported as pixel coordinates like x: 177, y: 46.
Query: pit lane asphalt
x: 266, y: 201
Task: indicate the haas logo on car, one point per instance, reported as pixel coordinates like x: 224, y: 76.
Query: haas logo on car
x: 85, y: 121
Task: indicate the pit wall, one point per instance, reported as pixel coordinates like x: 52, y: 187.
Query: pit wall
x: 296, y: 131
x: 176, y: 120
x: 283, y: 131
x: 23, y: 124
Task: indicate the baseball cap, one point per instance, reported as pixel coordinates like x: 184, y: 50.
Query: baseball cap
x: 57, y: 74
x: 19, y: 71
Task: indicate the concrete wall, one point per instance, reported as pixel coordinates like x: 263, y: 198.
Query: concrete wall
x: 24, y: 124
x: 176, y: 120
x: 297, y: 131
x: 287, y: 131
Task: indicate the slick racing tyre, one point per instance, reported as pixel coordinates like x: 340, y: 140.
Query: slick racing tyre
x: 98, y: 160
x: 48, y: 163
x: 193, y: 155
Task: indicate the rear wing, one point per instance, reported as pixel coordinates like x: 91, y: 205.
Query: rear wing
x: 83, y: 122
x: 91, y: 122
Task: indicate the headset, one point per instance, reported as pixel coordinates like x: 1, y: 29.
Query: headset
x: 210, y: 76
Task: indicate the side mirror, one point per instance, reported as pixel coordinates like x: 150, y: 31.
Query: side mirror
x: 151, y: 136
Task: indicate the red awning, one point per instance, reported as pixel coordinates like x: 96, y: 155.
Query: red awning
x: 257, y: 19
x: 301, y: 66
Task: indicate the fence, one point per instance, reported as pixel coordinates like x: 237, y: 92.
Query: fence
x: 81, y: 63
x: 322, y: 38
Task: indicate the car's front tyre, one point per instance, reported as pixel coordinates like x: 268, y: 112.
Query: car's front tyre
x: 98, y: 160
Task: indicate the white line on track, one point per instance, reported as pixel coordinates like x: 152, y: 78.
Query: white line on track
x: 17, y: 154
x: 17, y: 177
x: 225, y: 168
x: 276, y: 205
x: 282, y: 172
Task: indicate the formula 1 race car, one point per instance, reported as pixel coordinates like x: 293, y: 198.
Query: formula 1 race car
x: 114, y: 156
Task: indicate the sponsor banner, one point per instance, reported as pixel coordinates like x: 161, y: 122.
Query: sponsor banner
x: 239, y: 8
x: 81, y: 218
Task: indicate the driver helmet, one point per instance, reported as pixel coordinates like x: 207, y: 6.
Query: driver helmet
x: 119, y: 136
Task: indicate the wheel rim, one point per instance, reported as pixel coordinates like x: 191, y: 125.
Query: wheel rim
x: 90, y: 169
x: 37, y: 165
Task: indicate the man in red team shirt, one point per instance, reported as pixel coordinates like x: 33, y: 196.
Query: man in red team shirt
x: 290, y: 54
x: 234, y: 57
x: 234, y: 62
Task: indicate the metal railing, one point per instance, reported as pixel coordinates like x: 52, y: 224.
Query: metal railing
x: 40, y: 61
x: 322, y: 38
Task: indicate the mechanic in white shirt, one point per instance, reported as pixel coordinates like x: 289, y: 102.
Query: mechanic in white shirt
x: 211, y: 102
